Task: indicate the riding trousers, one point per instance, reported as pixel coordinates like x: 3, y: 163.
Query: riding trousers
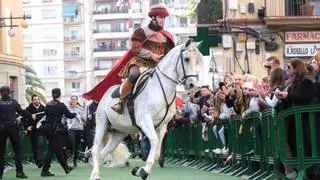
x: 134, y: 73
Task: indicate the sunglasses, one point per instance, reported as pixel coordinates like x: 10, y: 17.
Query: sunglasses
x: 267, y: 67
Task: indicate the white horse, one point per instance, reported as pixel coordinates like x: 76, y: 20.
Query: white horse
x: 154, y: 107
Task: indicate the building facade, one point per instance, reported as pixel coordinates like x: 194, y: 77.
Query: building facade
x: 255, y: 30
x: 115, y: 21
x: 12, y: 71
x: 54, y: 44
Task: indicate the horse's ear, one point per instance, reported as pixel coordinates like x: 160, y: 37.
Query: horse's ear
x: 198, y: 44
x: 188, y: 43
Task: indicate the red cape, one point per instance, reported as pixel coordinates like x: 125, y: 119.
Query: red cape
x: 112, y: 77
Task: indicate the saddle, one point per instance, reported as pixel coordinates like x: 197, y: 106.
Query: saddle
x: 137, y: 89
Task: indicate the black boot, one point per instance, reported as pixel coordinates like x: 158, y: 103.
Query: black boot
x: 68, y: 169
x: 21, y: 175
x: 75, y: 163
x: 46, y: 174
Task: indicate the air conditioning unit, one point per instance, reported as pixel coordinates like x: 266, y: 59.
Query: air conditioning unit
x: 233, y: 4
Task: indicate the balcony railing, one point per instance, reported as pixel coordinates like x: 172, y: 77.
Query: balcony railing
x: 110, y: 31
x: 72, y: 1
x: 114, y: 10
x: 72, y: 19
x: 73, y: 55
x: 72, y: 38
x: 104, y: 49
x: 277, y: 8
x: 101, y: 68
x: 73, y: 74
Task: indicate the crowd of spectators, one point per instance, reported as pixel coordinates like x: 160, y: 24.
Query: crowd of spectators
x: 298, y: 84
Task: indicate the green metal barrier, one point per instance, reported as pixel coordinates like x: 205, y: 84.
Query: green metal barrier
x: 299, y: 115
x: 264, y: 133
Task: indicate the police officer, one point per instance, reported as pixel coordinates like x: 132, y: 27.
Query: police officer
x: 90, y: 125
x: 55, y: 131
x: 36, y: 139
x: 8, y: 128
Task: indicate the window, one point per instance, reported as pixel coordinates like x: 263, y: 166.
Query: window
x: 75, y: 85
x: 105, y: 64
x: 183, y: 22
x: 104, y: 27
x: 50, y: 85
x: 26, y: 2
x: 49, y: 14
x: 49, y: 52
x: 27, y: 12
x: 136, y: 25
x: 27, y: 52
x: 47, y: 1
x: 74, y: 34
x: 50, y: 70
x: 169, y: 21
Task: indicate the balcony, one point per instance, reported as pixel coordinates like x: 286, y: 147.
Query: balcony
x: 68, y: 39
x: 183, y: 29
x: 77, y: 92
x: 73, y: 56
x: 287, y: 12
x: 72, y: 20
x: 100, y: 71
x: 69, y: 2
x: 125, y: 13
x: 114, y: 10
x: 120, y: 34
x: 72, y: 74
x: 109, y: 52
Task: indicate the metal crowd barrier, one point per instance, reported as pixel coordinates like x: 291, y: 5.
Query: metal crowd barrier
x: 258, y: 144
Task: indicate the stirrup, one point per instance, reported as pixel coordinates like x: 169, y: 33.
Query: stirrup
x: 118, y: 107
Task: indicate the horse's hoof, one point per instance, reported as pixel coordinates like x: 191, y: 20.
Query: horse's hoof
x: 140, y: 172
x: 134, y: 171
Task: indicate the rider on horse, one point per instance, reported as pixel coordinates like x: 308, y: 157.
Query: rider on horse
x: 149, y: 45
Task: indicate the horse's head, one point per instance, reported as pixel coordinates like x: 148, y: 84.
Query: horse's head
x: 189, y: 64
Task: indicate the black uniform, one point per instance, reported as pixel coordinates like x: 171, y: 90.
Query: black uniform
x: 8, y: 128
x: 54, y: 131
x: 36, y: 139
x: 90, y: 124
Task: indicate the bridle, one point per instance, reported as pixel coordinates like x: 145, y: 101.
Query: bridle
x: 182, y: 81
x: 185, y: 76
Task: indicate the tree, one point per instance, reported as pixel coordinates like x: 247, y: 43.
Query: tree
x: 33, y: 85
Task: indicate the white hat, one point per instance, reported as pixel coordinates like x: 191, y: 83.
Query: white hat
x: 248, y: 85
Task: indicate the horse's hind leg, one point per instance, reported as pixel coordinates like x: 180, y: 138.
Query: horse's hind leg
x: 114, y: 141
x: 148, y: 128
x: 101, y: 125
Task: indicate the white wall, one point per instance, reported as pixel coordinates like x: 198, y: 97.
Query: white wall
x: 37, y: 14
x: 43, y: 33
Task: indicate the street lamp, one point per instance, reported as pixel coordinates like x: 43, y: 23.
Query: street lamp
x: 11, y: 31
x: 213, y: 69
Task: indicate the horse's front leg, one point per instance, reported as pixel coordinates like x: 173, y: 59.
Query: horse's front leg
x: 147, y: 127
x: 97, y: 146
x: 162, y: 130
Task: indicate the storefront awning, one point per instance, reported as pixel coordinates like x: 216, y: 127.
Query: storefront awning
x: 69, y: 11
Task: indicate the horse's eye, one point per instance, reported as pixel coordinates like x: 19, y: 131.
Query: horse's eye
x: 187, y: 59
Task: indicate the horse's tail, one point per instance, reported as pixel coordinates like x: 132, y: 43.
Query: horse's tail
x: 119, y: 156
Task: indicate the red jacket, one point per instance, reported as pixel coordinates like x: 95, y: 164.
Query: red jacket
x: 112, y: 77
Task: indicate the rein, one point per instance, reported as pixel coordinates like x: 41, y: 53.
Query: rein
x: 182, y: 81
